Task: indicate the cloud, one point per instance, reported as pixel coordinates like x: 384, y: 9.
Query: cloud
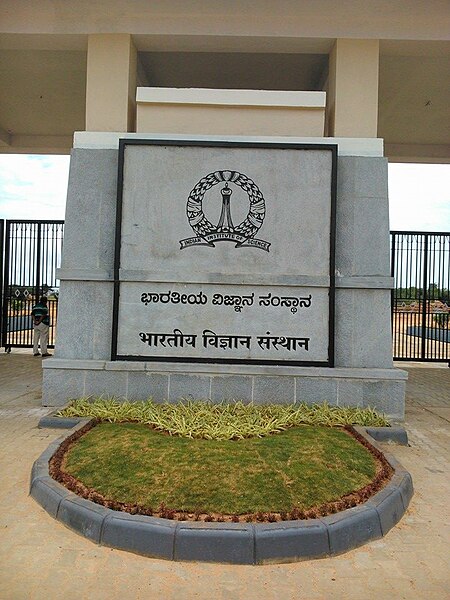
x: 419, y: 197
x: 33, y: 186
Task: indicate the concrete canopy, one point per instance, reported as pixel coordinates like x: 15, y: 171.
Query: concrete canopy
x: 43, y: 54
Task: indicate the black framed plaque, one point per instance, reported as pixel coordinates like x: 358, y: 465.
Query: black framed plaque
x: 224, y: 253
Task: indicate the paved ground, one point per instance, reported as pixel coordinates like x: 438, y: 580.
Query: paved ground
x: 40, y: 558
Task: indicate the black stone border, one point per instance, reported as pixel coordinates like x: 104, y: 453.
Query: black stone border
x: 235, y: 543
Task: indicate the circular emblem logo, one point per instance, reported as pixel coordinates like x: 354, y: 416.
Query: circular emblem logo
x: 243, y: 233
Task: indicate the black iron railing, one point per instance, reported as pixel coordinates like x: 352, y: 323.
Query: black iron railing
x: 420, y: 264
x: 31, y: 254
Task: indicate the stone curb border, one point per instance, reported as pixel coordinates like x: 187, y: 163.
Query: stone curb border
x: 395, y: 434
x: 235, y: 543
x: 51, y: 421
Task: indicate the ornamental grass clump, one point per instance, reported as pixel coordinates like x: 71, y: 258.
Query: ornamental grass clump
x: 221, y: 421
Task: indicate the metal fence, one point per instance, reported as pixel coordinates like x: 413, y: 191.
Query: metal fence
x: 420, y: 263
x: 31, y: 253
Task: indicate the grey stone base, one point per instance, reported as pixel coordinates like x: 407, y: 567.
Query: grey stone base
x: 383, y: 389
x: 238, y: 543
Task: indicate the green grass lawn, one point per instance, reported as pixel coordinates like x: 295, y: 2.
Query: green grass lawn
x: 304, y: 466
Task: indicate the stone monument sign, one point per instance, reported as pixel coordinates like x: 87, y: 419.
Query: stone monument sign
x: 252, y: 269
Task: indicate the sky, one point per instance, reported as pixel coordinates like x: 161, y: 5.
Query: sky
x: 35, y: 187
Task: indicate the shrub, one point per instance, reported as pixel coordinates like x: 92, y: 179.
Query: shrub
x: 221, y: 421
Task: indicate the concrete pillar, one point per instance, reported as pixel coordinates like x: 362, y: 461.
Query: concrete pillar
x: 111, y: 83
x: 352, y: 103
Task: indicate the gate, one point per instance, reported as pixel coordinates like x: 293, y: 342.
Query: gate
x: 32, y: 253
x: 420, y: 263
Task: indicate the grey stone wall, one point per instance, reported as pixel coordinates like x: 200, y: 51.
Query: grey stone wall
x: 86, y: 295
x: 382, y: 389
x: 364, y: 373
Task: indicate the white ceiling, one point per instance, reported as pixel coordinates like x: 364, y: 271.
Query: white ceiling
x: 42, y: 91
x: 414, y: 99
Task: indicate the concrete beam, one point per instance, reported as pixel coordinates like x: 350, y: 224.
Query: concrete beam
x: 418, y: 153
x: 36, y: 144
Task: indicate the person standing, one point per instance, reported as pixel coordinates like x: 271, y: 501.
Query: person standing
x: 41, y: 325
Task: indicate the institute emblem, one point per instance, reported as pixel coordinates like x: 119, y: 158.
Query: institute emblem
x: 242, y: 235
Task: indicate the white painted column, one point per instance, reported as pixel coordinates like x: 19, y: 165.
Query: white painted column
x: 111, y: 83
x: 352, y: 103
